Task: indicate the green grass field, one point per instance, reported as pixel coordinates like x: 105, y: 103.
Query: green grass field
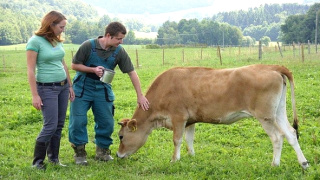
x: 238, y: 151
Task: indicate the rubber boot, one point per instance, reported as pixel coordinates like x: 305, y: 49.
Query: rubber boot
x: 103, y: 154
x: 80, y: 156
x: 53, y: 151
x: 39, y: 155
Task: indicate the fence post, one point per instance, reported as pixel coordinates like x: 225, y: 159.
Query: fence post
x: 137, y: 58
x: 308, y: 46
x: 299, y: 46
x: 260, y: 50
x: 162, y: 56
x: 4, y: 63
x: 219, y: 54
x: 294, y: 49
x: 182, y: 55
x: 316, y: 33
x: 280, y: 49
x: 302, y: 52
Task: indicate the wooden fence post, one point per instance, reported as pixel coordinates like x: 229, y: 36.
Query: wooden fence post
x: 137, y: 58
x: 219, y: 54
x: 280, y: 49
x: 260, y: 50
x: 299, y: 47
x: 162, y: 56
x: 294, y: 49
x: 4, y: 63
x: 182, y: 55
x: 302, y: 52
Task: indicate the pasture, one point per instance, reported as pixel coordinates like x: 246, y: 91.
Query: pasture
x: 238, y: 151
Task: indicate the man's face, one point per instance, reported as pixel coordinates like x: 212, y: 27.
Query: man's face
x: 115, y: 40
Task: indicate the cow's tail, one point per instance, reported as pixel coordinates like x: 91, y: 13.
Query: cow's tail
x: 289, y: 75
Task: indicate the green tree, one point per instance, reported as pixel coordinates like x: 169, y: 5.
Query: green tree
x: 265, y: 40
x: 79, y: 32
x: 300, y: 28
x: 130, y: 38
x: 248, y: 41
x: 292, y: 29
x: 104, y: 21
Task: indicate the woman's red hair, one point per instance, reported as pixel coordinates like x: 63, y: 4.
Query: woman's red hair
x: 52, y: 18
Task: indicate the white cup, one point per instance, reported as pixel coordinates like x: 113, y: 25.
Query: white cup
x: 107, y: 76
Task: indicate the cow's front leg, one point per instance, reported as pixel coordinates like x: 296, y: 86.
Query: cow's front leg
x: 189, y: 135
x: 178, y: 129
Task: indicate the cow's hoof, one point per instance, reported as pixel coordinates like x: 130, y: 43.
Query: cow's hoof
x: 305, y: 165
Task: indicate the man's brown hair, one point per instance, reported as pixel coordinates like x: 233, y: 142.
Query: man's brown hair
x: 114, y: 28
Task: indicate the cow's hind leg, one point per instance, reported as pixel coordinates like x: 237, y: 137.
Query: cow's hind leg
x: 270, y: 127
x: 290, y: 133
x: 189, y: 136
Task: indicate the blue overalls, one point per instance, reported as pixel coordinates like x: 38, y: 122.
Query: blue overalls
x: 92, y: 93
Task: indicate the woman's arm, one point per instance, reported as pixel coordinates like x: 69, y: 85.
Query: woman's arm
x: 31, y: 66
x: 71, y: 92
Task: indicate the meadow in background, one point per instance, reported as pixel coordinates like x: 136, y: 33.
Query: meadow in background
x: 238, y: 151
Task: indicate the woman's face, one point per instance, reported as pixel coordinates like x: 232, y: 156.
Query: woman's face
x: 59, y: 28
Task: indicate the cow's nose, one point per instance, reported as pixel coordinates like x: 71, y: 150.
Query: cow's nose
x: 118, y: 155
x: 120, y: 137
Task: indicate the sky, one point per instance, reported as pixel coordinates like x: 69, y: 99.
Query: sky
x: 216, y: 7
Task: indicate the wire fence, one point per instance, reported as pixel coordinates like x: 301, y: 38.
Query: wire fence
x: 142, y: 57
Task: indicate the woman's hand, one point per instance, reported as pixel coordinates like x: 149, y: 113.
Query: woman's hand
x: 71, y: 94
x: 37, y: 102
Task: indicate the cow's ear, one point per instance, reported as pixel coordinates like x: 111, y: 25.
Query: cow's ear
x: 132, y: 125
x: 123, y: 122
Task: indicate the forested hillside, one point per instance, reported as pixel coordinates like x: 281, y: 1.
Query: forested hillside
x: 19, y: 19
x: 268, y: 13
x: 261, y: 21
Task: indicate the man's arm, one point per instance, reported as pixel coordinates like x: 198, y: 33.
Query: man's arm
x: 82, y: 68
x: 141, y: 99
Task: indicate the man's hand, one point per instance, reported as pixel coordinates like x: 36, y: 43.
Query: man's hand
x: 98, y: 70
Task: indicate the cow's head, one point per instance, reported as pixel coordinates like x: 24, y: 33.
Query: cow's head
x: 131, y: 137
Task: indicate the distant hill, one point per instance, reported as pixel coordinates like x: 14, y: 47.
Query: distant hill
x: 37, y: 8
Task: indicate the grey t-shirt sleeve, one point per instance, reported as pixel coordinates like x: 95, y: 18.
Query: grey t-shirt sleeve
x: 83, y: 53
x: 124, y: 61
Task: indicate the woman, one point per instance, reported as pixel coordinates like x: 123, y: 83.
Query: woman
x: 50, y: 85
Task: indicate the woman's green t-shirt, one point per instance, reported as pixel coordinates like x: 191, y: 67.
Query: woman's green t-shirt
x: 49, y: 67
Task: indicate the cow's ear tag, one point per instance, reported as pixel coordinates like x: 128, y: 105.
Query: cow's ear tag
x: 132, y: 125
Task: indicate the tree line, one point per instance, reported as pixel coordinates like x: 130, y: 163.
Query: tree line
x: 287, y: 23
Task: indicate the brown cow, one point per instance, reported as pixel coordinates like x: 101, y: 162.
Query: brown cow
x: 183, y: 96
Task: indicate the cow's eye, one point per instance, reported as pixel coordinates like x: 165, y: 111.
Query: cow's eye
x: 120, y: 137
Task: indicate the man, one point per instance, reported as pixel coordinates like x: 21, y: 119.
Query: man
x: 91, y: 59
